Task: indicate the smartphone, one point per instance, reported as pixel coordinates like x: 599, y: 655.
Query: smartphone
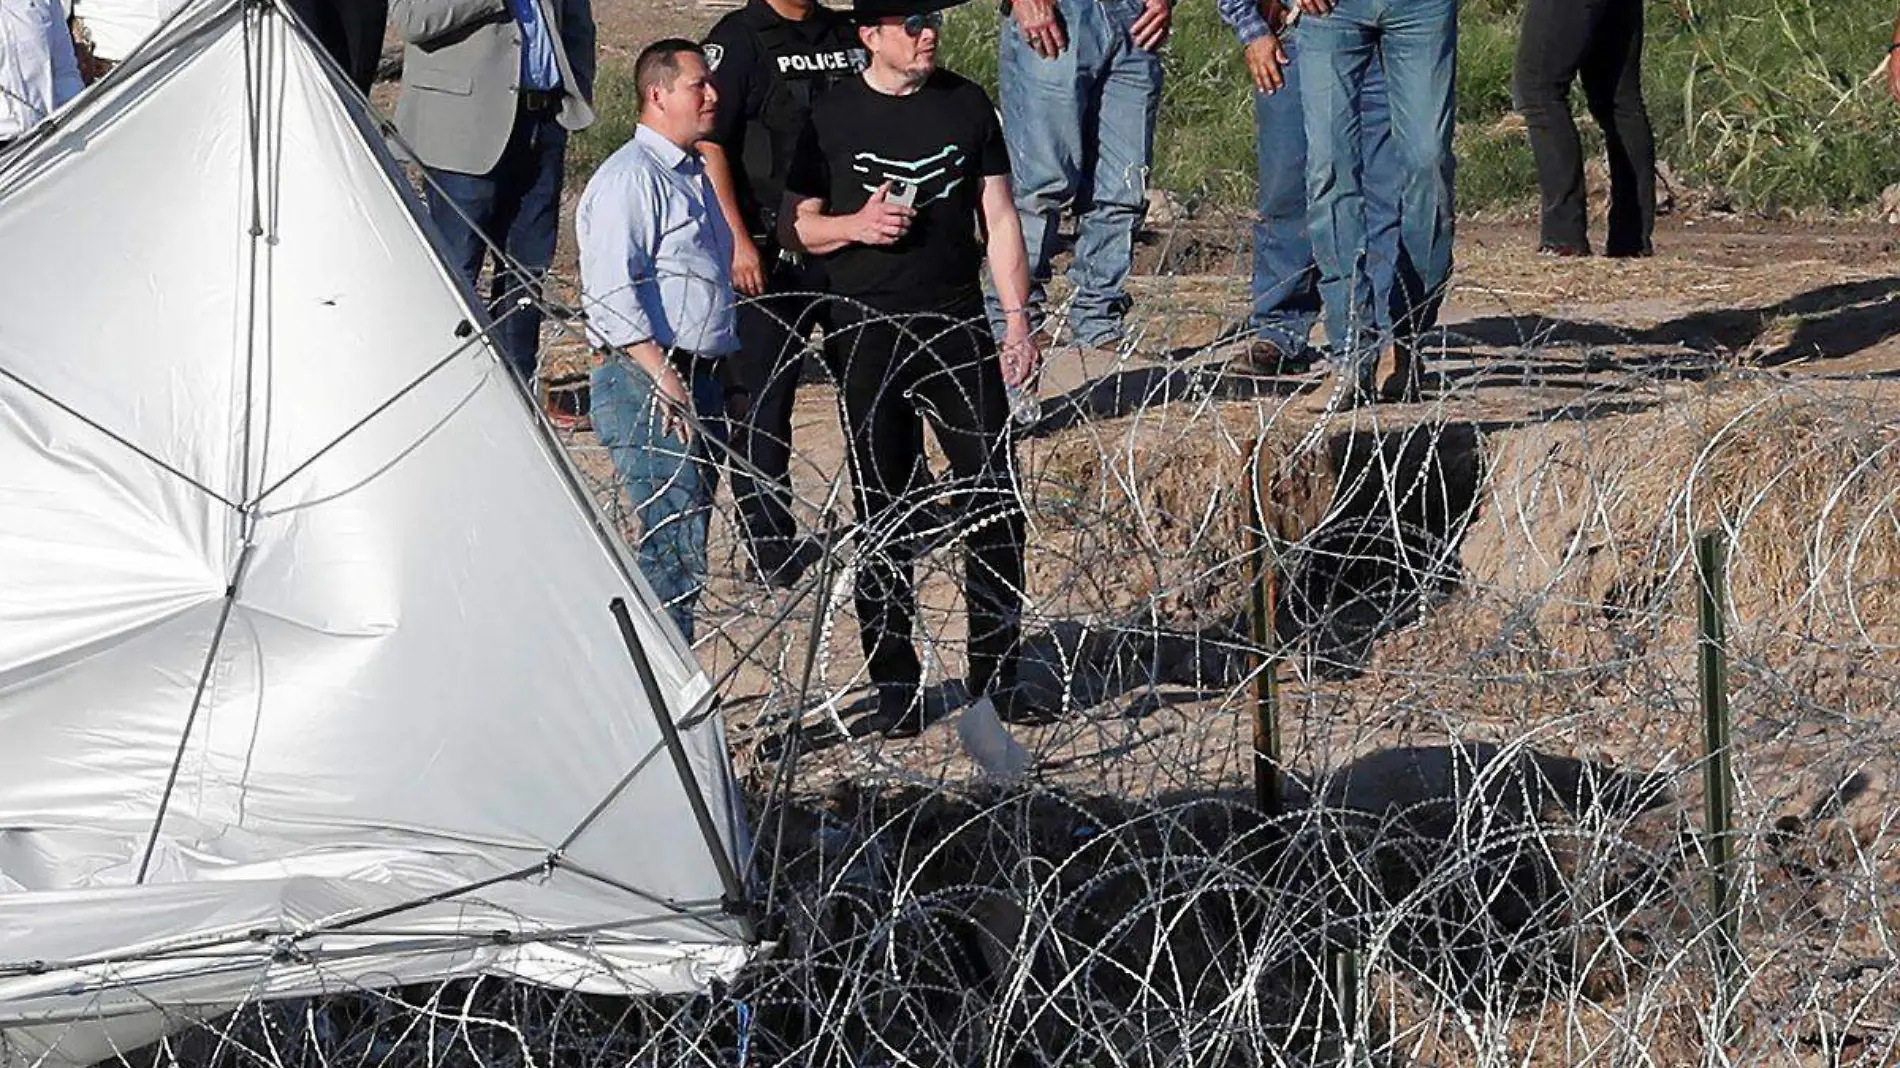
x: 903, y: 193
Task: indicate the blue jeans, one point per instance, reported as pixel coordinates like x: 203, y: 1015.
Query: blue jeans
x: 517, y: 205
x: 1285, y: 277
x: 1417, y: 41
x: 669, y: 482
x: 1081, y: 133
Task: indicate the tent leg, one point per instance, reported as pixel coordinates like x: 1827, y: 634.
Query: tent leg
x: 736, y: 902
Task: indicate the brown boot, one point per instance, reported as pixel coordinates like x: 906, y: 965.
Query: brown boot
x: 1395, y: 377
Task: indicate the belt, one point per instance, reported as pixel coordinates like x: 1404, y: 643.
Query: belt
x: 535, y: 101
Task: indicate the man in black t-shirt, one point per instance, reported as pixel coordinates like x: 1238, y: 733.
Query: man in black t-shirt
x: 770, y: 60
x: 900, y: 185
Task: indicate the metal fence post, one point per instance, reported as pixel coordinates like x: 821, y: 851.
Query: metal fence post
x: 1718, y: 775
x: 1263, y: 555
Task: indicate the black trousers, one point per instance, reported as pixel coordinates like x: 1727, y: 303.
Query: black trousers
x: 772, y: 332
x: 350, y: 30
x: 1599, y: 42
x: 898, y: 371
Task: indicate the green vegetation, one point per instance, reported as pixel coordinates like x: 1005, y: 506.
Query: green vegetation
x: 1764, y: 104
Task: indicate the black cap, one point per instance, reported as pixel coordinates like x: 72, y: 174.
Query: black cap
x: 866, y: 11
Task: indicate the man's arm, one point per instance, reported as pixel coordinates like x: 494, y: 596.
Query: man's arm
x: 1245, y: 17
x: 748, y: 267
x: 420, y: 21
x: 804, y: 227
x: 1009, y: 270
x: 577, y: 39
x: 1893, y: 63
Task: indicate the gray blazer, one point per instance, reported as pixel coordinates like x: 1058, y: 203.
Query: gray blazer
x: 461, y: 70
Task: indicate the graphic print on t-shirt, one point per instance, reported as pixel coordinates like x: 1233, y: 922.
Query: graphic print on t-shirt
x: 932, y: 178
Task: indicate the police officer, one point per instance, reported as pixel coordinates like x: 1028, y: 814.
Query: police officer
x: 770, y: 60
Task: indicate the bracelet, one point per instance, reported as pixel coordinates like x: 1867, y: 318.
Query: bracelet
x: 1894, y: 47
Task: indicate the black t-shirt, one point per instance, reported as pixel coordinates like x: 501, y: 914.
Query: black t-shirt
x: 943, y: 140
x: 768, y: 70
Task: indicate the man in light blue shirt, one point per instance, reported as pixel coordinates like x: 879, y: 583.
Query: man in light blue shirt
x: 656, y: 283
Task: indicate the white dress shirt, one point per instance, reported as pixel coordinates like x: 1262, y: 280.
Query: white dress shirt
x: 656, y: 253
x: 38, y: 73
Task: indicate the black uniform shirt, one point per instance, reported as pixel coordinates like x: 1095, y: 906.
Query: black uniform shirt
x: 768, y: 70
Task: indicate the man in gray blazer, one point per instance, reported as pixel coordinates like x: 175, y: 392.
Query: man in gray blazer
x: 490, y: 91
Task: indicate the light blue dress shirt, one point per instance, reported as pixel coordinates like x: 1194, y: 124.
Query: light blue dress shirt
x: 539, y: 69
x: 656, y: 253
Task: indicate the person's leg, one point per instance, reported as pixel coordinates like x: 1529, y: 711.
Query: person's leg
x: 1285, y: 280
x: 361, y: 24
x: 1419, y: 45
x: 884, y: 432
x: 461, y: 207
x: 1613, y: 85
x: 665, y: 485
x: 1044, y: 103
x: 961, y: 391
x: 1549, y: 47
x: 1127, y: 100
x: 527, y: 222
x: 1382, y: 192
x: 1335, y: 50
x: 772, y: 332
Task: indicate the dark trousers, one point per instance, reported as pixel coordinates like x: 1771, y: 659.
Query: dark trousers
x: 773, y: 328
x: 897, y: 372
x: 517, y: 205
x: 1599, y: 42
x: 350, y: 30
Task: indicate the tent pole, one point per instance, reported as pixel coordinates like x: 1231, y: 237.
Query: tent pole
x: 736, y: 902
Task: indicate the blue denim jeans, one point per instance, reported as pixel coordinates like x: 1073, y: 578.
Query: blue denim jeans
x: 1417, y: 41
x: 1081, y: 133
x: 1285, y: 278
x: 669, y: 482
x: 517, y: 205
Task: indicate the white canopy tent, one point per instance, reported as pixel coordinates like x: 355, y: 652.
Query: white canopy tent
x: 308, y: 676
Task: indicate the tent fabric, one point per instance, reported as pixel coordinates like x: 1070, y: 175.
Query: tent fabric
x: 302, y: 613
x: 117, y: 27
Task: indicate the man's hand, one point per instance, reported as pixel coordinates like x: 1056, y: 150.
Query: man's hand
x: 880, y: 222
x: 1893, y: 74
x: 1021, y: 356
x: 1316, y: 7
x: 1266, y: 61
x: 674, y: 402
x: 1041, y: 23
x: 748, y: 267
x: 1150, y: 30
x: 670, y: 395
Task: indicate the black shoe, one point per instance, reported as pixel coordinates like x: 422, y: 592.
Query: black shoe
x: 1017, y: 704
x: 1639, y: 252
x: 784, y: 572
x: 1265, y: 357
x: 902, y: 712
x: 1558, y: 249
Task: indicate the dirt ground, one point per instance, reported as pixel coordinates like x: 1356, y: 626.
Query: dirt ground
x: 1604, y: 358
x: 1132, y: 477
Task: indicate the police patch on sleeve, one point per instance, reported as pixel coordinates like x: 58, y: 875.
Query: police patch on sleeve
x: 714, y: 53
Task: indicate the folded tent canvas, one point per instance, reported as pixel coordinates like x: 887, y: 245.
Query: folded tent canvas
x: 307, y: 673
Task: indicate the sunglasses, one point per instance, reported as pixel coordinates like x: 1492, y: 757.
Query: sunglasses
x: 915, y: 25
